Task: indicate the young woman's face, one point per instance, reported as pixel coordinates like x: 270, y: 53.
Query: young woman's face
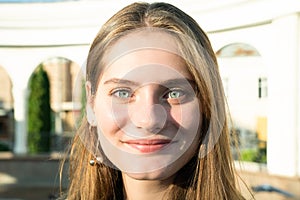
x: 147, y: 112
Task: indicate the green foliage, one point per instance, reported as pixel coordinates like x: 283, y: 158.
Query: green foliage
x: 253, y: 155
x: 39, y: 112
x: 248, y: 155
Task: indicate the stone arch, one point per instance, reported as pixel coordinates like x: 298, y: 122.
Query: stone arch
x: 6, y: 111
x: 64, y: 75
x: 244, y: 76
x: 237, y: 49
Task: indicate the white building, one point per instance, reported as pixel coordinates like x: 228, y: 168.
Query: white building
x: 262, y: 86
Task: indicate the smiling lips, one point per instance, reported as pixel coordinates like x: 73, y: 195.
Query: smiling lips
x: 148, y: 146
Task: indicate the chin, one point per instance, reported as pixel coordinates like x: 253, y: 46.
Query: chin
x: 160, y: 174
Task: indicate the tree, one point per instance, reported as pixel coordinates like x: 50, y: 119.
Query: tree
x: 39, y: 112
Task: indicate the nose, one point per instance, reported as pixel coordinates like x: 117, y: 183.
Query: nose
x: 148, y: 114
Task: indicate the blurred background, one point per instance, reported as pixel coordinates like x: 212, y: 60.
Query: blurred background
x: 43, y: 47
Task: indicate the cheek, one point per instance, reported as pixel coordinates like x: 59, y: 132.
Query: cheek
x: 187, y: 116
x: 110, y: 119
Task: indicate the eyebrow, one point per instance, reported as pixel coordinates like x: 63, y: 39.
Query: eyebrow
x: 121, y: 81
x: 175, y: 81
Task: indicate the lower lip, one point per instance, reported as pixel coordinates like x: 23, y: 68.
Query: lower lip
x: 147, y: 148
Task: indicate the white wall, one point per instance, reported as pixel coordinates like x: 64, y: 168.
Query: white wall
x: 31, y: 33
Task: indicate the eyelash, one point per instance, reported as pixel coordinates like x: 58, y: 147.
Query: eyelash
x: 118, y: 90
x: 165, y: 97
x: 167, y: 94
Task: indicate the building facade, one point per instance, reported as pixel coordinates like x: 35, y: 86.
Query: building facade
x: 257, y: 44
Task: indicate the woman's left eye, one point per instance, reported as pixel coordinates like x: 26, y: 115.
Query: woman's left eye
x: 175, y: 94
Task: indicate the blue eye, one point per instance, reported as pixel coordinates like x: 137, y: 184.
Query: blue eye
x: 175, y: 94
x: 122, y: 93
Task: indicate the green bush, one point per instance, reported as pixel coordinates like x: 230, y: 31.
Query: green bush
x: 39, y: 112
x: 253, y: 155
x: 248, y: 155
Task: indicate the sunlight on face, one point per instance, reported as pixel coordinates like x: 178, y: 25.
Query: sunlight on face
x: 147, y: 113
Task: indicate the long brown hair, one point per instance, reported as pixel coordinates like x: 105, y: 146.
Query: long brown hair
x: 210, y: 176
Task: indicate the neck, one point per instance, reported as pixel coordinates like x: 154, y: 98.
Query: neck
x: 145, y: 189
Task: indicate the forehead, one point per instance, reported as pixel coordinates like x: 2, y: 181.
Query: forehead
x: 145, y: 56
x: 142, y: 39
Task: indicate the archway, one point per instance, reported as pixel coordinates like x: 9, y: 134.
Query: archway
x: 245, y: 79
x: 65, y: 105
x: 6, y: 112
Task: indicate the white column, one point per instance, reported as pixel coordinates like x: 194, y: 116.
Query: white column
x: 20, y: 113
x: 283, y: 93
x: 298, y: 101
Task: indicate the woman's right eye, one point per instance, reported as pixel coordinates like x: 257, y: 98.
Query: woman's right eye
x: 122, y: 93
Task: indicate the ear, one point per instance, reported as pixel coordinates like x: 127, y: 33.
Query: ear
x: 90, y: 115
